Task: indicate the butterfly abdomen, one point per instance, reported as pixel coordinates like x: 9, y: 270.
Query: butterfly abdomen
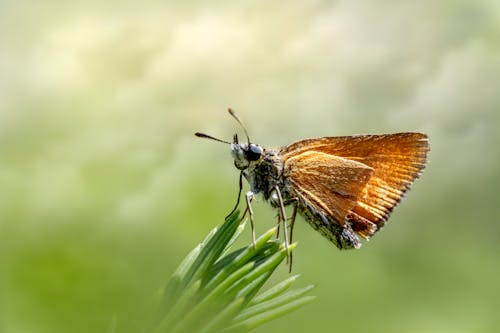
x: 343, y: 237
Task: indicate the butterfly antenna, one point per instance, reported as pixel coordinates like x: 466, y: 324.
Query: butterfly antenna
x: 231, y: 112
x: 206, y: 136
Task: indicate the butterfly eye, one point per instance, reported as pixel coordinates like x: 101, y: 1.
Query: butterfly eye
x: 253, y: 152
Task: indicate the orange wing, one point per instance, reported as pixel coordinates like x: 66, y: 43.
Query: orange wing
x: 329, y: 182
x: 395, y: 161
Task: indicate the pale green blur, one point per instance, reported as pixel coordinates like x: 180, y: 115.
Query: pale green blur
x: 104, y: 188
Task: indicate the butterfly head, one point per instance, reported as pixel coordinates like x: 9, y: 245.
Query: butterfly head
x: 245, y: 153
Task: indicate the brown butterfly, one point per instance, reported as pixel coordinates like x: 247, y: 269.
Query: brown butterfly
x: 345, y: 187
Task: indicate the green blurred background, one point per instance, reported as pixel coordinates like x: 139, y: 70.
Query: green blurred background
x: 104, y: 188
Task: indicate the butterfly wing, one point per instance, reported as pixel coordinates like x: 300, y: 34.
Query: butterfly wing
x: 395, y: 161
x: 331, y: 183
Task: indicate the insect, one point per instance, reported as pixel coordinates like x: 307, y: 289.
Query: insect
x: 345, y: 187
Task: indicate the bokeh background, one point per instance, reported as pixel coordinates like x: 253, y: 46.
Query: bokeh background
x: 104, y: 188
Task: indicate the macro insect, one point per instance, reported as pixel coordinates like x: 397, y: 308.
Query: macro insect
x: 345, y: 187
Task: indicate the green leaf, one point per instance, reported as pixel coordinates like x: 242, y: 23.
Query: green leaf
x: 183, y: 303
x: 269, y: 315
x: 223, y: 317
x: 272, y: 303
x: 217, y: 288
x: 241, y: 257
x: 213, y: 248
x: 275, y: 291
x: 265, y: 266
x: 235, y: 237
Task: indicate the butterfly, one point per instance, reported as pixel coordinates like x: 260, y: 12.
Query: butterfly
x: 345, y: 187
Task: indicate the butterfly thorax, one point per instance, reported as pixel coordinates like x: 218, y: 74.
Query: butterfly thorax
x: 263, y: 175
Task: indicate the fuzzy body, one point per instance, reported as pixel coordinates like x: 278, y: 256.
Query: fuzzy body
x: 263, y: 175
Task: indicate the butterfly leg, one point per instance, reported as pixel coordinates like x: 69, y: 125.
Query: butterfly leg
x: 292, y: 223
x: 275, y: 203
x: 283, y: 216
x: 278, y: 224
x: 249, y: 197
x: 294, y: 215
x: 239, y: 196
